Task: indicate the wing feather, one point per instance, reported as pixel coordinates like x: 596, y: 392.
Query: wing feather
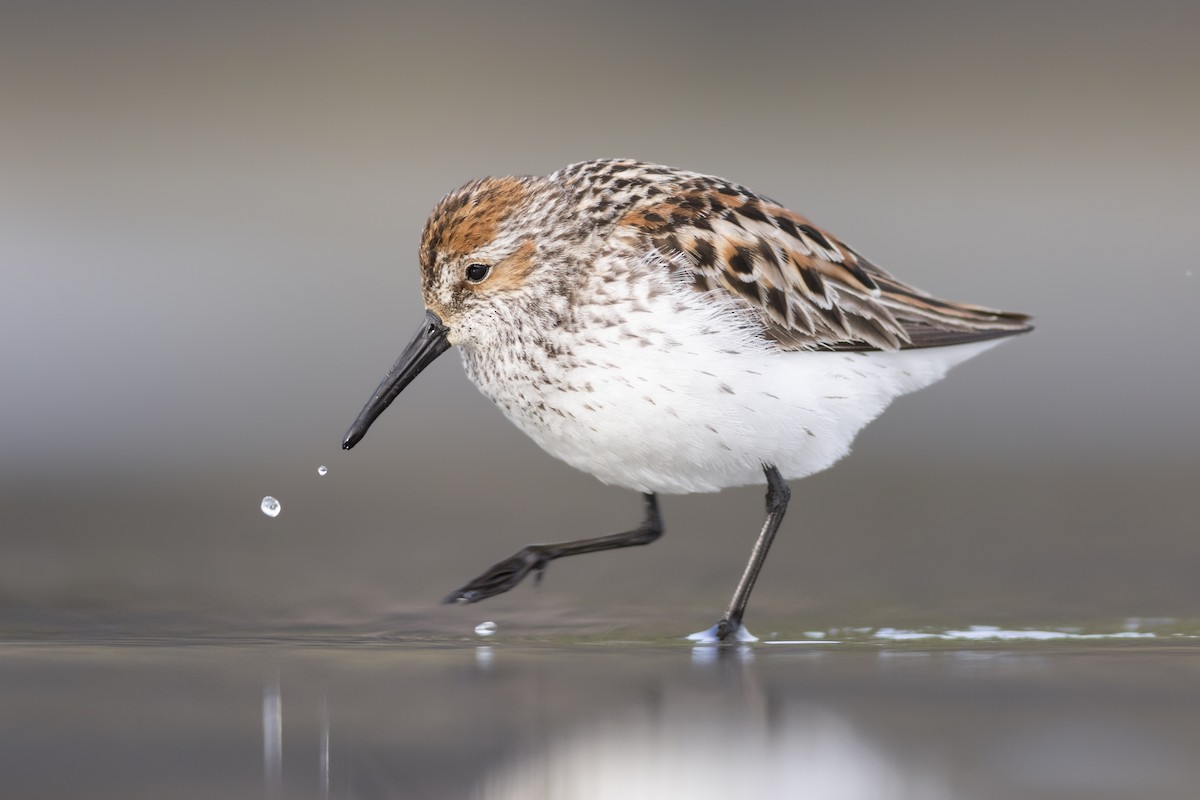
x: 811, y: 289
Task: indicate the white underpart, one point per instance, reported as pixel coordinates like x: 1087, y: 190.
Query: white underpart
x: 680, y: 394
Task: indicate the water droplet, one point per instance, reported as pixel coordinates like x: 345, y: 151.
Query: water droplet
x: 485, y: 628
x: 270, y: 506
x: 322, y: 470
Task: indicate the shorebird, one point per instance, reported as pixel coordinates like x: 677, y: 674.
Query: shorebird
x: 670, y: 332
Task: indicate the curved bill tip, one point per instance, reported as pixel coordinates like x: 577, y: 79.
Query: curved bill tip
x: 429, y: 343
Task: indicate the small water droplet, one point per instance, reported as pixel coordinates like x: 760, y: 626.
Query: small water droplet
x: 485, y: 628
x: 270, y: 506
x: 1188, y: 273
x: 322, y: 470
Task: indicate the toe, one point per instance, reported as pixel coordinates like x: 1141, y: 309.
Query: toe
x: 499, y: 578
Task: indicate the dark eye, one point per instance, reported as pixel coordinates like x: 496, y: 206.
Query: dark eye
x: 477, y: 272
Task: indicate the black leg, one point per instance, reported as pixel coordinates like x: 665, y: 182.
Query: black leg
x: 778, y: 494
x: 508, y: 573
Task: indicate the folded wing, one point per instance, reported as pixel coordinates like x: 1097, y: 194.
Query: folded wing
x: 812, y: 290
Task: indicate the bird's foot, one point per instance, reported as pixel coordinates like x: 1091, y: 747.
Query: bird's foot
x: 503, y: 575
x: 723, y: 632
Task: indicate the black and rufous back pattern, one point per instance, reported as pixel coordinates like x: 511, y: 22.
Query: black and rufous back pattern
x: 811, y: 289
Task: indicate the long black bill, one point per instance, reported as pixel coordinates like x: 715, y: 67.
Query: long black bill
x: 429, y: 343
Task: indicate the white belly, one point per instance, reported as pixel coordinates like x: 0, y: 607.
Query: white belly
x: 702, y: 407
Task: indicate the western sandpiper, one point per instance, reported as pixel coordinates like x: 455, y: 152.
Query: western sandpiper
x: 672, y: 332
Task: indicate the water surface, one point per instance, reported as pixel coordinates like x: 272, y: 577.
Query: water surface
x: 368, y: 717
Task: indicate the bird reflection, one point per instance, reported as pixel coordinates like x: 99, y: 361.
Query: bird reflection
x: 743, y: 743
x: 324, y: 757
x: 272, y: 723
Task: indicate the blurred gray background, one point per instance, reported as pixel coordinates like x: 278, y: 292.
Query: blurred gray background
x: 209, y: 215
